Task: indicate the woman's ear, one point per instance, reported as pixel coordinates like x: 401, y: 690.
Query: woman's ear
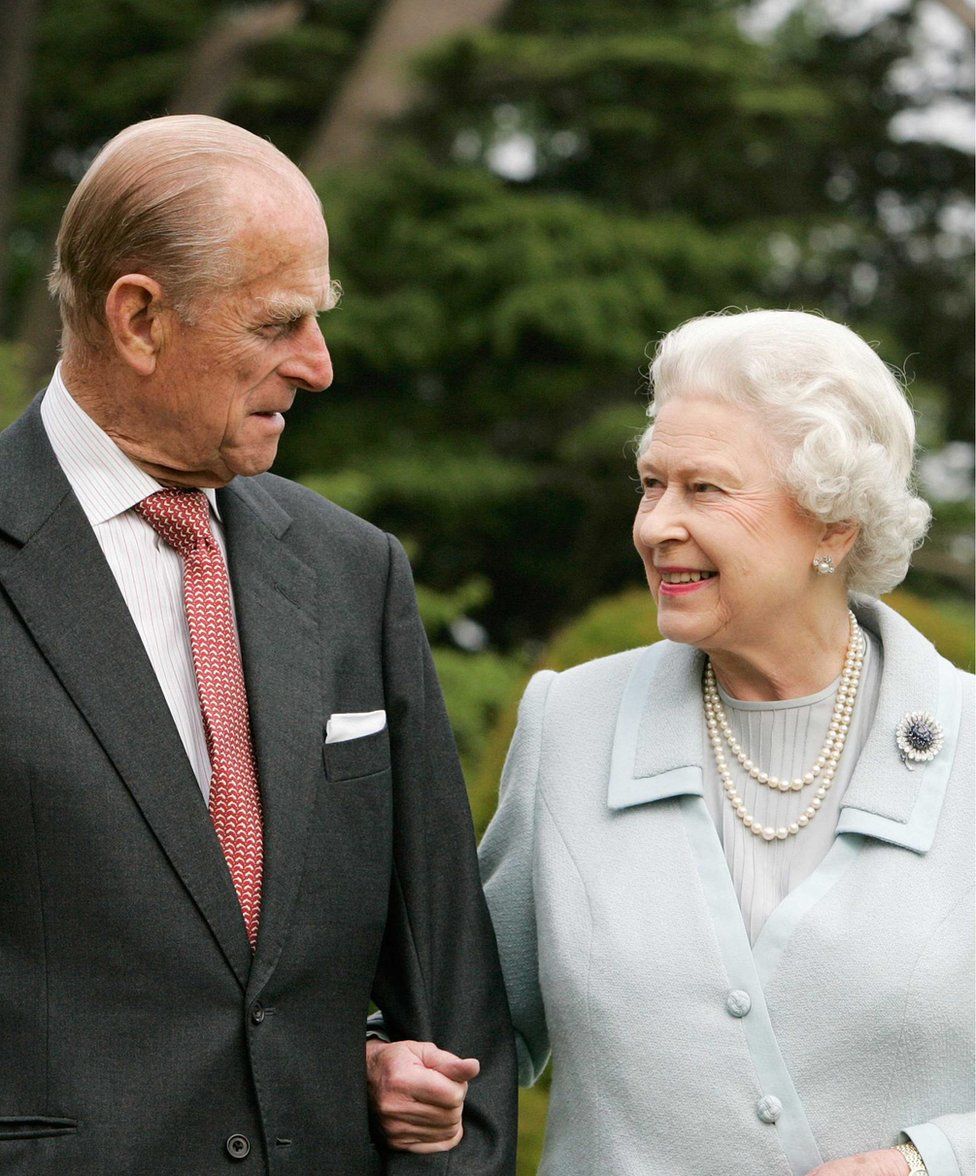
x: 134, y: 314
x: 837, y: 540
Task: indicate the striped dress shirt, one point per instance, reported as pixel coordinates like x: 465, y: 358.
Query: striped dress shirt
x: 148, y: 572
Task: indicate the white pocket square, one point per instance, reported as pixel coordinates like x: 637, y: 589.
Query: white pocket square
x: 354, y: 725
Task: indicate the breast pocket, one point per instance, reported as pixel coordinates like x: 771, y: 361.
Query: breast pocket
x: 352, y: 758
x: 35, y: 1126
x: 347, y: 877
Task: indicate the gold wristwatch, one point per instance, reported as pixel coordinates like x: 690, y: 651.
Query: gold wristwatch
x: 916, y: 1165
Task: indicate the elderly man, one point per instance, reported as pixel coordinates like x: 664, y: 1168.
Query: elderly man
x: 232, y: 810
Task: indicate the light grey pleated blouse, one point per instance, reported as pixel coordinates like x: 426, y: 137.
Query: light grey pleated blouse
x: 784, y: 739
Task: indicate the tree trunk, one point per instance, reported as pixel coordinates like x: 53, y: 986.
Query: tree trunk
x: 20, y: 21
x: 379, y: 86
x: 217, y: 60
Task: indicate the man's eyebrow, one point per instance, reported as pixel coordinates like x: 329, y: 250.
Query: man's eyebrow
x: 285, y: 308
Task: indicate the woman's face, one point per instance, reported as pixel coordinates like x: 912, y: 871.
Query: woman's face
x: 727, y: 553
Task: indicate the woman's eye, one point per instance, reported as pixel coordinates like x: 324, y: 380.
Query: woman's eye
x: 703, y: 487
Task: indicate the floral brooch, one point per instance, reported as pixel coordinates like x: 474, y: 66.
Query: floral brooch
x: 920, y: 737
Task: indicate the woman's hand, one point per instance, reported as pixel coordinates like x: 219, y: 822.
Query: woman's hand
x: 887, y: 1162
x: 417, y: 1093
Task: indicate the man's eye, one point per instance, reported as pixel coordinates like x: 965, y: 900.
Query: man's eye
x: 277, y: 330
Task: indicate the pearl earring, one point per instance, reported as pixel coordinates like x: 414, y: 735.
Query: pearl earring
x: 824, y: 565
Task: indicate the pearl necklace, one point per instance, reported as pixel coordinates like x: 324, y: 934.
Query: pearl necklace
x: 825, y: 765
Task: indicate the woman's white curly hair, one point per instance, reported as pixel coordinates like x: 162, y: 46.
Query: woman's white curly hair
x: 831, y: 407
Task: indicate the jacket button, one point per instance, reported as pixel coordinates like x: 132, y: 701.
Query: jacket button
x: 738, y: 1002
x: 238, y: 1146
x: 769, y: 1108
x: 257, y: 1014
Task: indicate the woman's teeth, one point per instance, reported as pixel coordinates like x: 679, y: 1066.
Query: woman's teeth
x: 685, y: 577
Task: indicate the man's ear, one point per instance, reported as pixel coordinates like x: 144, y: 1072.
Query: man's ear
x: 135, y: 315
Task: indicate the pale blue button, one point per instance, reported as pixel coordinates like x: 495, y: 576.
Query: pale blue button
x: 738, y: 1002
x: 769, y: 1108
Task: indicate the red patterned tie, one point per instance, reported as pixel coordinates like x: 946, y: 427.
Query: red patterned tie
x: 182, y: 519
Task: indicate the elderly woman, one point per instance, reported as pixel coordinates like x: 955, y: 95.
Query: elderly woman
x: 731, y: 873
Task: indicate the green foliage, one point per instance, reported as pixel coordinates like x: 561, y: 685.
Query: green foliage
x: 439, y: 610
x: 948, y: 625
x: 627, y: 621
x: 492, y: 333
x: 13, y: 384
x: 488, y: 340
x: 128, y: 61
x: 438, y: 480
x: 476, y: 686
x: 533, y: 1107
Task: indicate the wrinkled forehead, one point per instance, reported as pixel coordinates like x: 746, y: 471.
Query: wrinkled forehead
x: 699, y: 429
x: 283, y: 253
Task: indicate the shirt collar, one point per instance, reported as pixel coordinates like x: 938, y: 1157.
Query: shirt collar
x: 105, y: 480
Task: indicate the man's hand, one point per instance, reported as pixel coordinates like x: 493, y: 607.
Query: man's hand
x: 417, y: 1093
x: 875, y: 1163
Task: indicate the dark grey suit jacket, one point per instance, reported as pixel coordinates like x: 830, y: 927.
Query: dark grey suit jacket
x: 137, y: 1034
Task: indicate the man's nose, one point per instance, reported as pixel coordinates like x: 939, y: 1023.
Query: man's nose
x: 310, y: 367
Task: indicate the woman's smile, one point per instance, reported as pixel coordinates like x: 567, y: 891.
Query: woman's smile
x: 682, y: 581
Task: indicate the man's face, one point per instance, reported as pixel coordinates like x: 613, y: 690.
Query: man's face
x: 222, y: 382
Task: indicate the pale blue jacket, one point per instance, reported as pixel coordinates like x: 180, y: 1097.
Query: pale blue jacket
x: 678, y: 1049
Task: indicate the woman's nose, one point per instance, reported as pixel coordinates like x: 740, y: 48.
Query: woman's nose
x: 662, y: 523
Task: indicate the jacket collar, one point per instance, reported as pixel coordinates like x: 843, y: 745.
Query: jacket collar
x: 885, y: 799
x: 56, y: 577
x: 27, y: 460
x: 659, y: 749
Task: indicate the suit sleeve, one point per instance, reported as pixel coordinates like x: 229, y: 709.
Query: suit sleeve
x: 946, y: 1144
x: 438, y: 977
x: 506, y: 869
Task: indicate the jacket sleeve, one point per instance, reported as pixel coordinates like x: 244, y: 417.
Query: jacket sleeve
x: 438, y: 977
x: 946, y: 1144
x: 506, y: 868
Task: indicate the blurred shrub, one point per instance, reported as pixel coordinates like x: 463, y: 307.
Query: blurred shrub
x: 533, y: 1108
x: 476, y: 687
x: 14, y: 395
x: 947, y: 624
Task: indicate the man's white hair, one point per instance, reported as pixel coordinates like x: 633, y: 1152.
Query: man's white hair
x: 835, y: 415
x: 158, y: 200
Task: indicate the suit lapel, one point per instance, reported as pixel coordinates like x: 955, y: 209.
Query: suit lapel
x: 657, y: 746
x: 273, y: 592
x: 60, y: 584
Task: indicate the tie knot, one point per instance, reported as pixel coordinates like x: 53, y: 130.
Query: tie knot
x: 181, y: 518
